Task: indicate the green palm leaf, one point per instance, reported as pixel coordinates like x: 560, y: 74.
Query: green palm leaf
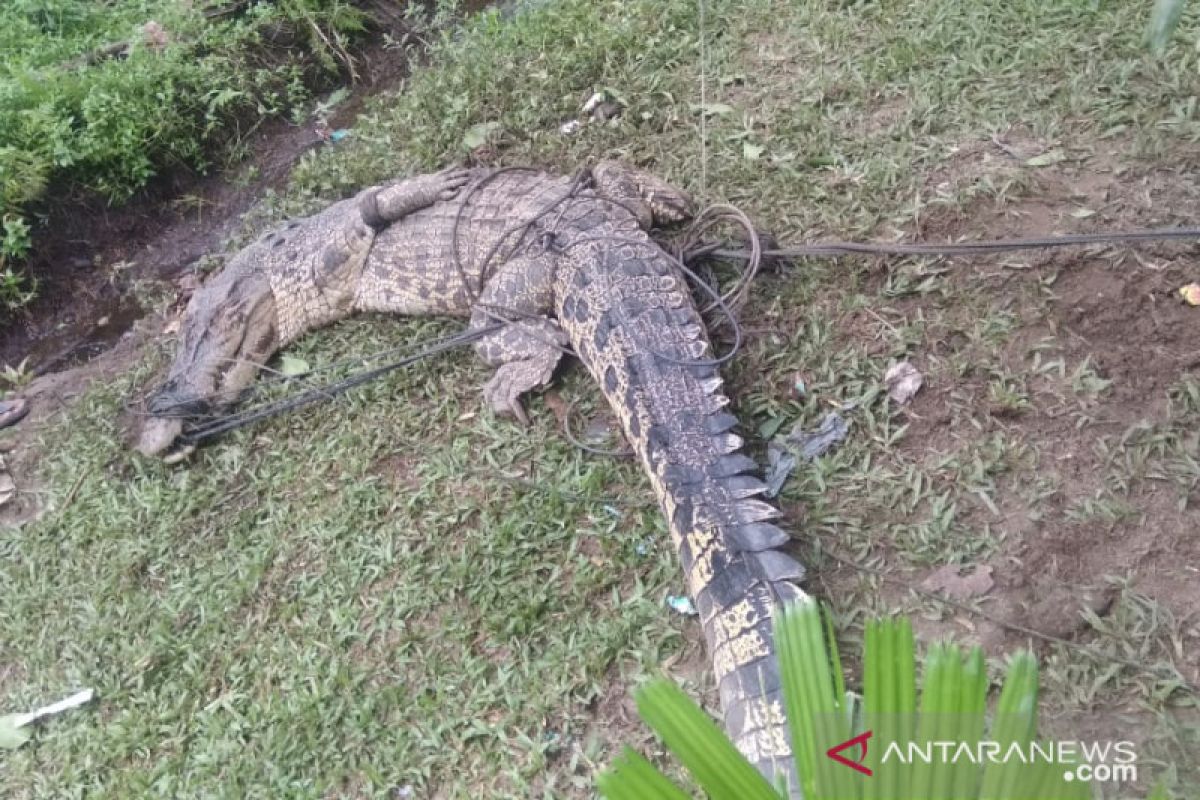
x: 821, y: 714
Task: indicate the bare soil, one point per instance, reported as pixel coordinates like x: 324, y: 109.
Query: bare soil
x: 1118, y: 309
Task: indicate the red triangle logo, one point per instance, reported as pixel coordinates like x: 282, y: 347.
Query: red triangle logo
x: 860, y: 742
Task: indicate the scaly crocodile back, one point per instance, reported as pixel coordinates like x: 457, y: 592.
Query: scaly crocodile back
x: 632, y: 321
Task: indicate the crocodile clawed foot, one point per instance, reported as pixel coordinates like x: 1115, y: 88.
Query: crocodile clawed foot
x: 512, y: 380
x: 453, y: 180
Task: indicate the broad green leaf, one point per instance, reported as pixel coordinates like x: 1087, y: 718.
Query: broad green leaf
x: 814, y: 710
x: 632, y: 777
x: 1015, y: 721
x: 479, y: 134
x: 1047, y: 158
x: 293, y: 366
x: 700, y: 745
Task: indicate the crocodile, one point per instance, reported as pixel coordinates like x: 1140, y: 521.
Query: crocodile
x: 562, y: 263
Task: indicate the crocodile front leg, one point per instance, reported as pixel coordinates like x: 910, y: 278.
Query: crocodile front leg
x: 529, y: 346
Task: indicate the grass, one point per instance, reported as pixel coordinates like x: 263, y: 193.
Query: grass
x: 354, y: 599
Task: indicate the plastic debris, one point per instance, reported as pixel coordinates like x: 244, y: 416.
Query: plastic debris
x: 1190, y: 294
x: 948, y: 580
x: 569, y: 127
x: 338, y: 135
x: 799, y: 387
x: 813, y: 444
x: 780, y: 465
x: 681, y: 604
x: 903, y: 380
x: 641, y: 548
x: 14, y: 728
x: 593, y: 102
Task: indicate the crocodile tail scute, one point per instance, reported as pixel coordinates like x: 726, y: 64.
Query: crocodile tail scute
x: 631, y: 319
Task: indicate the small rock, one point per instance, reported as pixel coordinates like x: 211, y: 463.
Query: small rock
x: 950, y: 581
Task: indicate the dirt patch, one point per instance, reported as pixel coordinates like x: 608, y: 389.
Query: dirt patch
x: 91, y: 260
x: 1076, y: 382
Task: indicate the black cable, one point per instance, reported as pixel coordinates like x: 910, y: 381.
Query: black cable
x: 241, y: 419
x: 821, y: 249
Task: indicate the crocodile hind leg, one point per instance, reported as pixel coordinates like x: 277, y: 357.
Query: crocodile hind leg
x: 650, y: 198
x: 530, y: 344
x: 380, y: 206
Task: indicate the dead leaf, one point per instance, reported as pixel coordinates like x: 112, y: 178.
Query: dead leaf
x: 903, y: 380
x: 155, y: 35
x: 948, y: 580
x: 554, y: 401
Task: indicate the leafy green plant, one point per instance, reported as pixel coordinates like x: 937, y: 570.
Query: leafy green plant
x: 950, y: 707
x: 14, y: 286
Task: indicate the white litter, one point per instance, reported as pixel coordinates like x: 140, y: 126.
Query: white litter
x: 74, y: 701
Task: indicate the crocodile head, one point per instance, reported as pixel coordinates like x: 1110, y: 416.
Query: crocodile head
x: 229, y: 330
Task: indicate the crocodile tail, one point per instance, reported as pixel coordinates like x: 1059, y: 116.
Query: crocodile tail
x: 631, y: 319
